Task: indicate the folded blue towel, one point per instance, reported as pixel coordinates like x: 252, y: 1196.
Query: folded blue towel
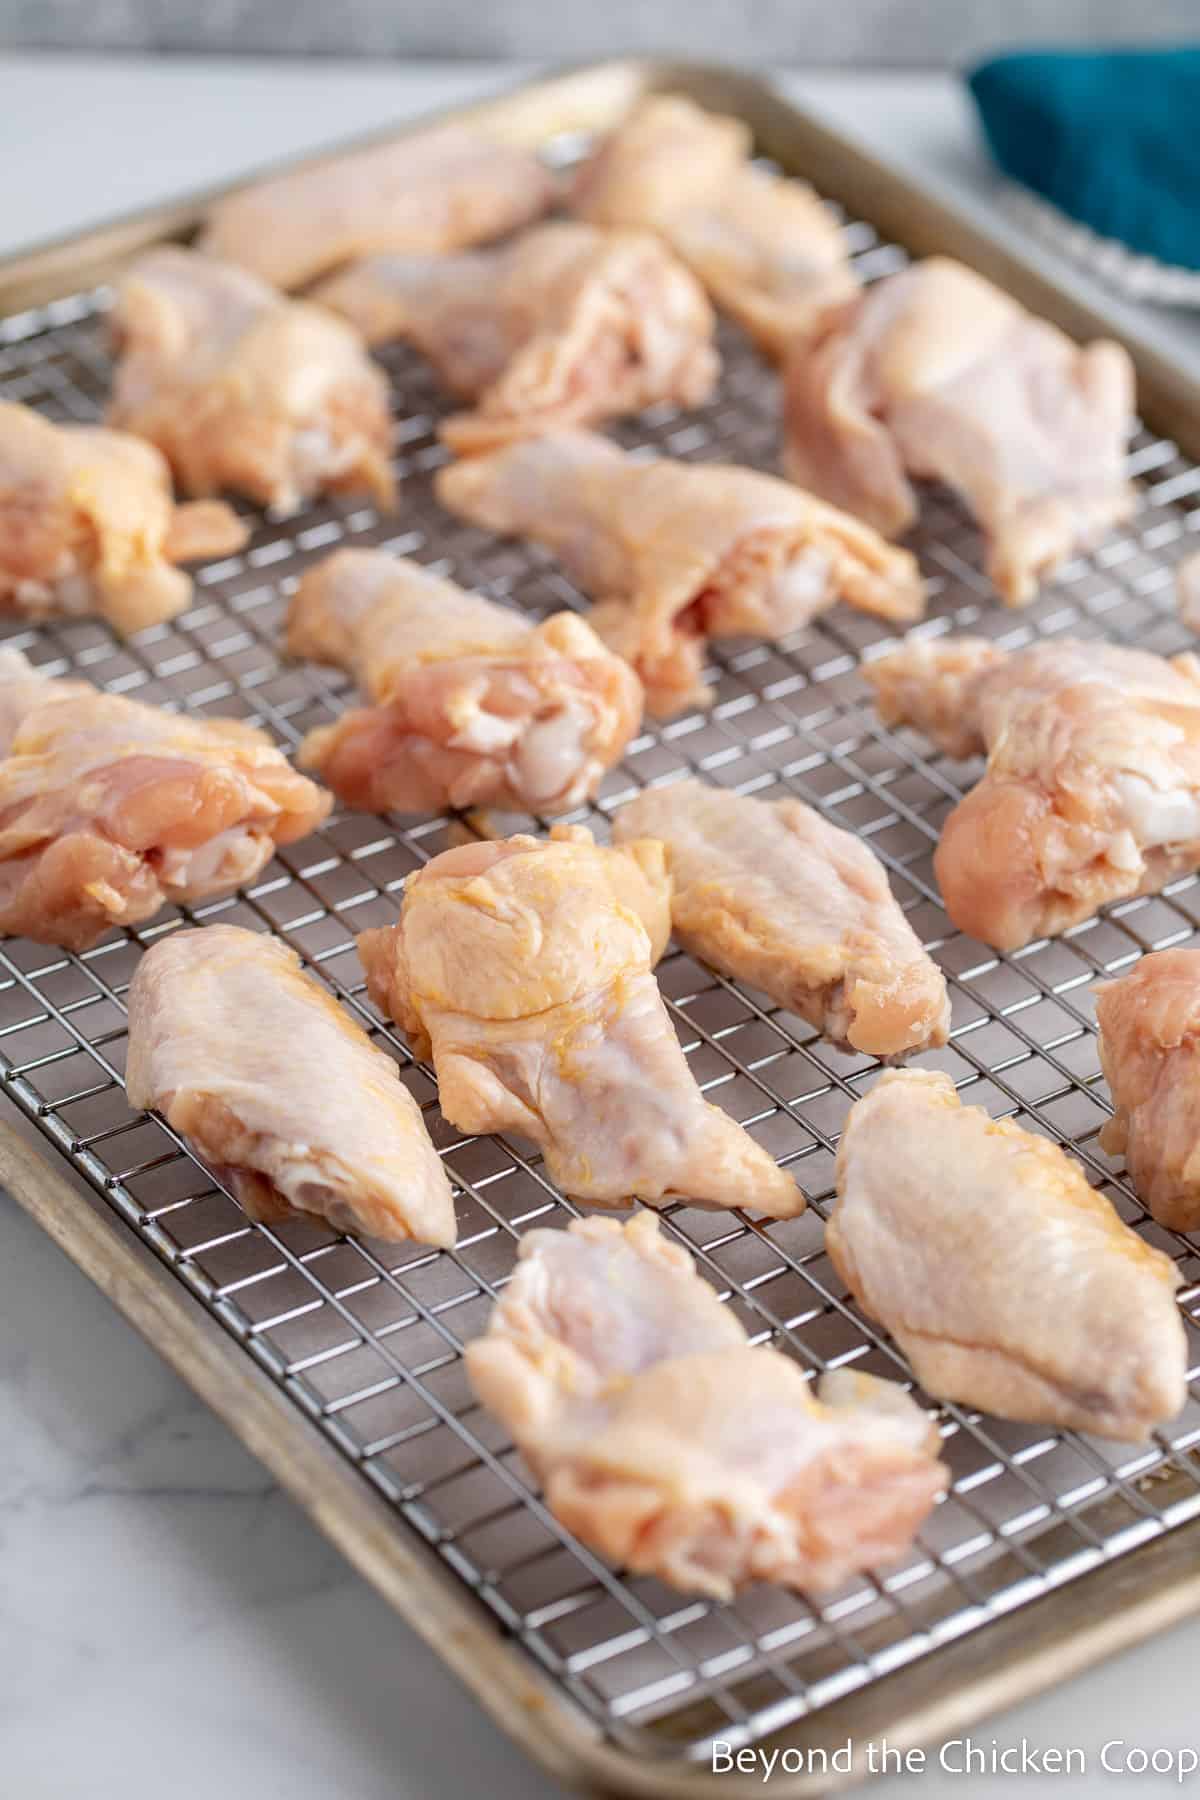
x: 1111, y: 138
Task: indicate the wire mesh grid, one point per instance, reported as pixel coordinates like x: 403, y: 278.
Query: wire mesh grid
x: 366, y: 1338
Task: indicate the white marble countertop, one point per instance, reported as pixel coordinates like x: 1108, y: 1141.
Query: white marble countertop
x: 171, y: 1626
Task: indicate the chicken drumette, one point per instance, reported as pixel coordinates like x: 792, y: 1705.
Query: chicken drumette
x: 229, y: 1039
x: 88, y: 525
x: 473, y: 704
x: 1008, y: 1282
x: 241, y: 388
x: 676, y: 553
x: 1092, y: 789
x: 670, y: 1445
x: 934, y: 372
x: 1150, y: 1052
x: 566, y: 326
x: 523, y: 969
x: 109, y: 809
x: 771, y: 894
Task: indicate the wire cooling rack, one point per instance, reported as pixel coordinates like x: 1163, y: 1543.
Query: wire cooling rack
x: 366, y: 1339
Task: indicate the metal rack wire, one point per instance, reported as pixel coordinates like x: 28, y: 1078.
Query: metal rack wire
x: 366, y: 1339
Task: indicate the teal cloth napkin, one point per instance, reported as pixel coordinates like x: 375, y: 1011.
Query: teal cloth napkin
x: 1110, y: 137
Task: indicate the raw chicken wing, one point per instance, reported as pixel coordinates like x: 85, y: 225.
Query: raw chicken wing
x: 1008, y: 1282
x: 1092, y: 789
x: 766, y: 248
x: 474, y: 705
x: 523, y: 969
x: 935, y: 373
x: 566, y: 326
x: 230, y: 1040
x: 676, y: 553
x: 88, y: 525
x: 240, y: 388
x: 769, y: 893
x: 110, y: 809
x: 1150, y: 1053
x: 432, y: 192
x: 668, y: 1444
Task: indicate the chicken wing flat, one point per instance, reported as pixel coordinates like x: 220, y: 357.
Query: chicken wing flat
x: 935, y: 373
x: 88, y: 524
x: 474, y: 705
x: 523, y: 969
x: 672, y: 1447
x: 566, y: 326
x: 1008, y: 1282
x: 766, y: 248
x: 769, y: 893
x: 436, y: 191
x: 229, y: 1040
x: 1150, y: 1053
x: 110, y: 809
x: 677, y: 553
x: 240, y: 388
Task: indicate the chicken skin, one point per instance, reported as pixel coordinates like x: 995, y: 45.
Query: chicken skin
x: 769, y: 893
x: 670, y: 1445
x: 766, y: 248
x: 88, y: 524
x: 566, y: 326
x: 1007, y: 1281
x: 1150, y: 1053
x: 523, y: 970
x: 935, y: 373
x: 110, y: 809
x: 229, y: 1040
x: 677, y: 553
x: 474, y: 705
x: 240, y: 388
x: 426, y: 194
x: 1092, y: 789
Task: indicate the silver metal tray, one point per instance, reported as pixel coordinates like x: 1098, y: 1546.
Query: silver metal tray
x: 338, y: 1360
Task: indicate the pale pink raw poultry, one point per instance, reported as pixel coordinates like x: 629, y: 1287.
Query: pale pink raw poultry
x: 935, y: 373
x: 230, y: 1040
x: 668, y: 1444
x: 767, y: 249
x: 1150, y: 1052
x: 565, y: 326
x: 1092, y: 789
x: 769, y: 893
x: 1008, y: 1282
x: 677, y: 553
x: 241, y: 388
x: 110, y: 809
x: 429, y: 192
x: 473, y: 704
x: 88, y: 524
x: 524, y: 970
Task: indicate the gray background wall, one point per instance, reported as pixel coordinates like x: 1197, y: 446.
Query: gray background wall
x: 899, y: 32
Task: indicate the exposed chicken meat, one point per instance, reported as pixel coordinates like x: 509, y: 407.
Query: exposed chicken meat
x: 1092, y: 789
x: 1008, y: 1282
x: 1187, y: 590
x: 566, y: 326
x: 936, y: 373
x: 88, y: 525
x: 474, y: 705
x: 1150, y: 1052
x: 769, y: 893
x: 110, y: 809
x: 433, y: 191
x: 671, y: 1446
x: 677, y: 553
x: 229, y: 1039
x: 240, y: 388
x: 524, y: 970
x: 767, y: 249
